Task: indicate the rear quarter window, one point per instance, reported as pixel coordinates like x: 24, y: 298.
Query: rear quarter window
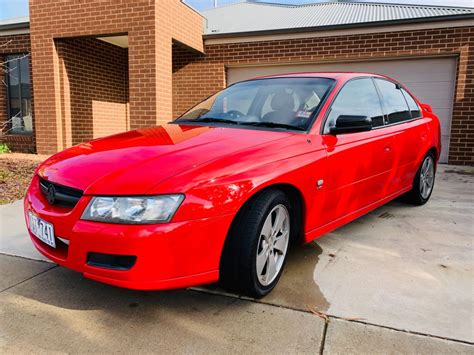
x: 412, y: 105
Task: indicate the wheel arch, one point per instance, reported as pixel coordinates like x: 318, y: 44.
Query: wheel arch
x: 297, y: 204
x: 434, y: 151
x: 298, y: 212
x: 436, y: 154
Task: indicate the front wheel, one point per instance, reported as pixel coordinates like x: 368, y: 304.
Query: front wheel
x: 257, y: 245
x: 424, y: 181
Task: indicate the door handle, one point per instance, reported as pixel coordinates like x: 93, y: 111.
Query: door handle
x: 387, y: 149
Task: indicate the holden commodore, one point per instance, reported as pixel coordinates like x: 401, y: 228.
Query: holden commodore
x: 222, y: 192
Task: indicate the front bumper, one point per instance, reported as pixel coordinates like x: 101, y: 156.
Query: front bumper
x: 170, y: 255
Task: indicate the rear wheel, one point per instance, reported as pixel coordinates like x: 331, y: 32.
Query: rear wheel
x: 257, y: 245
x: 424, y: 181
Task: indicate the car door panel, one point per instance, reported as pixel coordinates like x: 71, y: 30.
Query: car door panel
x: 359, y: 163
x: 410, y: 132
x: 359, y: 166
x: 409, y: 140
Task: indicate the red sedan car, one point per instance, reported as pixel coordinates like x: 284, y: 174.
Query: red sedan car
x: 222, y: 192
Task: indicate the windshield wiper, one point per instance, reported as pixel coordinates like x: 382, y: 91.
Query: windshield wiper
x: 251, y: 123
x: 210, y: 119
x: 273, y: 125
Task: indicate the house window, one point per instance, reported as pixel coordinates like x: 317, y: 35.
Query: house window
x: 18, y: 82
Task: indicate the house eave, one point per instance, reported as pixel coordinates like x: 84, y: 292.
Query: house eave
x: 15, y: 26
x: 337, y: 27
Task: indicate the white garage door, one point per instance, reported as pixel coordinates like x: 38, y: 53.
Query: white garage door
x: 431, y: 80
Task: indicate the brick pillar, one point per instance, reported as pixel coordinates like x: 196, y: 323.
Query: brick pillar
x: 151, y: 26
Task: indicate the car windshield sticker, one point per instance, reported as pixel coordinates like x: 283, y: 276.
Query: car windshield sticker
x: 303, y: 114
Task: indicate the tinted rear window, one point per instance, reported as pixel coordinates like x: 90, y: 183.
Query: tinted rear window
x: 414, y: 109
x: 394, y: 102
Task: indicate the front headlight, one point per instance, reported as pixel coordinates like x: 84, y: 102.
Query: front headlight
x: 132, y: 210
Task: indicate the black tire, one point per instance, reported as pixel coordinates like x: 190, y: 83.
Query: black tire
x: 414, y: 196
x: 238, y: 270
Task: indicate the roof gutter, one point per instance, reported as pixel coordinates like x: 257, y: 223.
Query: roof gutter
x: 15, y: 26
x: 344, y: 26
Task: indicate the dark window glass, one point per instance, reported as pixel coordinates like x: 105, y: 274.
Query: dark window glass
x: 414, y: 109
x: 284, y: 101
x: 357, y: 97
x: 393, y: 101
x: 19, y: 94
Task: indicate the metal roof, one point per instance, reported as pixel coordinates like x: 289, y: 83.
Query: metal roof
x: 250, y: 17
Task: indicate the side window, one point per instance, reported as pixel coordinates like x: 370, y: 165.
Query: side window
x: 393, y: 101
x: 357, y: 97
x: 414, y: 109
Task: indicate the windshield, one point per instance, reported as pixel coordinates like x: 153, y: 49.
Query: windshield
x: 288, y: 103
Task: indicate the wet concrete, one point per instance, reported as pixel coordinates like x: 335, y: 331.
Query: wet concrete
x: 297, y: 287
x: 53, y: 309
x: 60, y: 311
x: 400, y: 266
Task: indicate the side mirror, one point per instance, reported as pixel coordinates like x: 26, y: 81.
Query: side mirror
x: 351, y: 124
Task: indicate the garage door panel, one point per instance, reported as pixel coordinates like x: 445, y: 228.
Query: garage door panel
x: 425, y: 76
x: 445, y: 124
x: 438, y: 70
x: 435, y: 91
x: 412, y: 70
x: 444, y: 148
x: 430, y: 79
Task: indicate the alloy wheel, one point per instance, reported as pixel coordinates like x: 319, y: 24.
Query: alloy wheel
x: 273, y: 244
x: 427, y: 177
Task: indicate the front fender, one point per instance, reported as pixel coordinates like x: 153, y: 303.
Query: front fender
x: 223, y: 186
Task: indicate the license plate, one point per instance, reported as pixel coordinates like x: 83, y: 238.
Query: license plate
x: 41, y: 229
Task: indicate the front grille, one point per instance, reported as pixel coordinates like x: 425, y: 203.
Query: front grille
x: 58, y: 194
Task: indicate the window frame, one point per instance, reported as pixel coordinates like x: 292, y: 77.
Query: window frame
x: 387, y: 124
x: 16, y: 57
x: 328, y: 111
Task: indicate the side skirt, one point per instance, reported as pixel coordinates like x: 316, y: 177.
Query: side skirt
x: 318, y: 232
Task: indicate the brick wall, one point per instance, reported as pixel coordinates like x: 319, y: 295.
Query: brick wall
x: 16, y: 44
x: 150, y: 25
x: 197, y: 76
x: 94, y: 89
x: 50, y: 20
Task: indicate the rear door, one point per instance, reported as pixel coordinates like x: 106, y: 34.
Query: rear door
x: 402, y: 116
x: 359, y: 163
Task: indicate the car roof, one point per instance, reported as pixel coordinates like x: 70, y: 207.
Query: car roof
x: 333, y: 75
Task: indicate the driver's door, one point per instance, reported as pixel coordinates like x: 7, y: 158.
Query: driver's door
x: 359, y: 163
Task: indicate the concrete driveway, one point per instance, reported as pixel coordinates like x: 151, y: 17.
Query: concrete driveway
x: 397, y: 280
